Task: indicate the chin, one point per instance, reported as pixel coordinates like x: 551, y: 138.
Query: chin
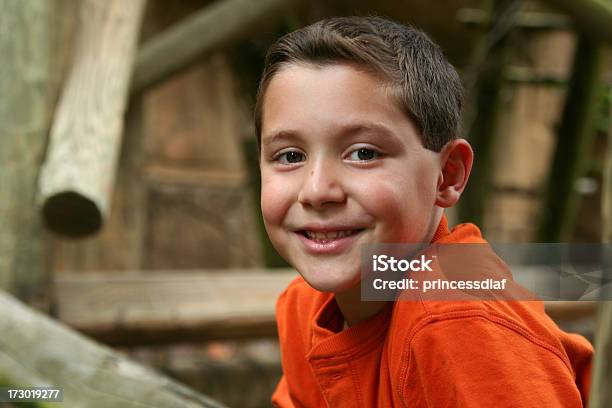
x: 324, y: 282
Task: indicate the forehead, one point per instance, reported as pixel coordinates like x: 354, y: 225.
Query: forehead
x: 311, y: 97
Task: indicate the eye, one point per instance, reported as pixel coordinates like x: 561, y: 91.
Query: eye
x: 290, y: 157
x: 363, y: 154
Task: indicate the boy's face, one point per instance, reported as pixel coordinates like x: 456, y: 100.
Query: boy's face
x: 341, y: 166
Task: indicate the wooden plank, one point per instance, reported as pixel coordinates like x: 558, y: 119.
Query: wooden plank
x: 196, y: 180
x: 156, y: 174
x: 205, y: 31
x: 78, y: 175
x: 219, y: 221
x: 37, y: 351
x: 171, y: 307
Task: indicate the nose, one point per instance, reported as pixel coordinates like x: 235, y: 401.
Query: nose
x: 322, y: 185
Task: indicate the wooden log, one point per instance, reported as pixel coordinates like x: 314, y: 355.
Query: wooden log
x: 574, y: 140
x: 207, y: 30
x: 601, y: 390
x: 78, y: 175
x: 26, y: 93
x: 593, y: 16
x: 37, y: 351
x: 120, y: 245
x: 171, y: 307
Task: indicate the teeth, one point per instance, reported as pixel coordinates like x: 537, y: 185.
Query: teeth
x: 328, y: 235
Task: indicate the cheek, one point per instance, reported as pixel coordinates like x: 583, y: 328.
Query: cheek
x: 275, y: 201
x: 392, y: 198
x: 402, y: 203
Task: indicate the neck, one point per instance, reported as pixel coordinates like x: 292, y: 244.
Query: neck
x: 436, y: 229
x: 353, y: 308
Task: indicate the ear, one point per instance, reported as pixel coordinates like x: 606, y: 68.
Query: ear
x: 456, y: 158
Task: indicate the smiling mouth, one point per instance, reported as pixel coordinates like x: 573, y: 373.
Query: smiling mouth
x: 323, y: 237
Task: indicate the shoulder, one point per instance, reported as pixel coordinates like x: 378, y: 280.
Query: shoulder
x: 505, y: 324
x: 482, y: 351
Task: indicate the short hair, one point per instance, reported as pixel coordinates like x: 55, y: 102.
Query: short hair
x: 422, y: 81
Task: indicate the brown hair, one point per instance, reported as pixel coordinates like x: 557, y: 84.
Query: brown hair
x: 423, y: 82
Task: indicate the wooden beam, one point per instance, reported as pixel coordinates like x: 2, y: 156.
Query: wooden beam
x: 601, y: 390
x: 592, y: 16
x: 178, y: 307
x: 205, y: 31
x: 574, y: 139
x: 171, y: 307
x: 37, y: 351
x: 78, y: 175
x: 26, y: 90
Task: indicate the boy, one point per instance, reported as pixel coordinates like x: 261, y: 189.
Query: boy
x: 357, y: 121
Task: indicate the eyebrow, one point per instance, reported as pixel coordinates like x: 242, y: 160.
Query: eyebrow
x: 355, y: 129
x: 349, y: 130
x: 280, y: 136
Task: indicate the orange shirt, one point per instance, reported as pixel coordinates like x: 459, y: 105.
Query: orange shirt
x: 428, y: 354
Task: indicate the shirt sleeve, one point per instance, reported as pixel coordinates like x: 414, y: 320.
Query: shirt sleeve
x: 479, y: 362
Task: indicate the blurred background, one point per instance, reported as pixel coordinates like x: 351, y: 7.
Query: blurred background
x: 130, y: 187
